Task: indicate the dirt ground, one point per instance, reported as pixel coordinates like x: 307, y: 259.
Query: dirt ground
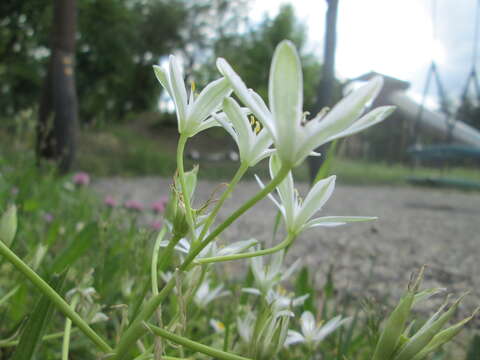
x: 416, y: 226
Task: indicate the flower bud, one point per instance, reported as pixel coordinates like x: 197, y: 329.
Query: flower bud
x: 8, y: 225
x: 270, y: 333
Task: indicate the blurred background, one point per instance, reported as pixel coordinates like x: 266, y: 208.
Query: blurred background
x: 77, y: 87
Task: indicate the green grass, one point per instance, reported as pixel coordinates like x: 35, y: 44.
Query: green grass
x: 106, y: 240
x: 126, y: 150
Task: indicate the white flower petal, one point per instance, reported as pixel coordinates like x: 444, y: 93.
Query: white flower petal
x: 265, y: 117
x: 240, y: 88
x: 307, y: 324
x: 262, y: 155
x: 316, y: 198
x: 271, y: 197
x: 251, y: 291
x: 371, y: 118
x: 329, y: 328
x: 294, y: 337
x: 343, y: 115
x: 209, y: 100
x: 179, y: 93
x: 331, y: 221
x: 285, y: 95
x: 292, y: 269
x: 300, y: 300
x: 242, y: 127
x: 204, y: 125
x: 285, y: 190
x: 237, y: 247
x: 162, y: 77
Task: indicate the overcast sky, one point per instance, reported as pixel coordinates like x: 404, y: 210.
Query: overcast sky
x: 394, y: 37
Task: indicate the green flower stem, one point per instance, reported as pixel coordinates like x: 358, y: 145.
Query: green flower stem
x: 211, y: 218
x: 12, y: 343
x: 284, y: 244
x: 61, y: 304
x: 136, y: 329
x: 181, y: 175
x: 68, y: 330
x: 167, y: 254
x: 164, y: 357
x: 174, y: 318
x: 154, y: 266
x: 236, y: 214
x: 193, y: 345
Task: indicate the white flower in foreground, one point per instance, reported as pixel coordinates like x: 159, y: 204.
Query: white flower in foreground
x: 253, y: 143
x: 313, y: 334
x: 267, y: 276
x: 205, y: 295
x: 298, y: 212
x: 212, y: 249
x: 294, y: 138
x: 264, y: 334
x: 281, y: 301
x: 217, y: 325
x: 193, y: 113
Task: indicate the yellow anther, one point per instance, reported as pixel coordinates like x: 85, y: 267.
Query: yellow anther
x: 256, y: 126
x: 281, y: 290
x: 192, y: 87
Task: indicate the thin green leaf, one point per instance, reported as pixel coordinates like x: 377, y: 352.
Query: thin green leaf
x: 36, y: 325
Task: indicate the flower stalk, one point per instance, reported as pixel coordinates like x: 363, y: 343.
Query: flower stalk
x: 59, y: 302
x: 193, y: 345
x: 181, y: 174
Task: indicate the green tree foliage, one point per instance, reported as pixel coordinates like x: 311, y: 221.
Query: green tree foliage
x: 117, y: 43
x: 250, y: 52
x: 116, y: 51
x: 24, y: 30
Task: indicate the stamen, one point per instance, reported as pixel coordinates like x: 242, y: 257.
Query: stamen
x: 256, y: 126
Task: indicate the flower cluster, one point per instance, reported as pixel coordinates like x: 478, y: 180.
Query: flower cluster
x: 260, y: 310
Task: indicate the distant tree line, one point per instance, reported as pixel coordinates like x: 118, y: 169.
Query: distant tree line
x: 103, y: 51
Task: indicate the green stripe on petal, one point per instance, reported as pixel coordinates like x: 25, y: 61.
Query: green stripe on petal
x: 285, y: 95
x: 179, y: 93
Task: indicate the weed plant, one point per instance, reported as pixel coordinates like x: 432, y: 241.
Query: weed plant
x: 85, y: 281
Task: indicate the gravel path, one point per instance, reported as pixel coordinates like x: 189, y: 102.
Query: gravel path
x: 440, y: 228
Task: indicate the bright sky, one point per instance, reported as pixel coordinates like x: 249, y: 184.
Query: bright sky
x: 394, y: 37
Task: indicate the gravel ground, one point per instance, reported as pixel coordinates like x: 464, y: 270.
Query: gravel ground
x: 439, y: 228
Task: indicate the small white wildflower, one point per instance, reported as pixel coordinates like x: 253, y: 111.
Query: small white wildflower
x: 312, y: 333
x: 217, y: 325
x: 297, y: 212
x: 267, y: 276
x: 253, y: 143
x: 212, y: 249
x: 193, y: 113
x: 206, y: 295
x: 293, y: 138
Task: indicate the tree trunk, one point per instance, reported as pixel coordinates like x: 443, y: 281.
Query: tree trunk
x: 57, y: 118
x: 327, y: 82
